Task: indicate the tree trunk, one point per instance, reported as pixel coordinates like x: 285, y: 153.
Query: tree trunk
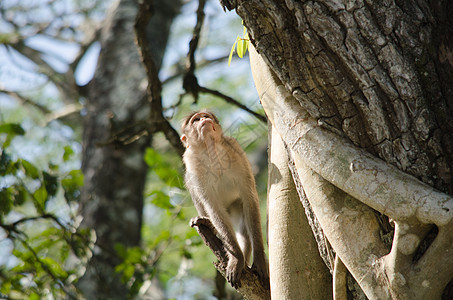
x: 114, y: 143
x: 350, y: 81
x: 380, y: 73
x: 296, y: 269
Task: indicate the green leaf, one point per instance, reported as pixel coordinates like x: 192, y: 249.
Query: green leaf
x: 68, y: 152
x: 161, y: 200
x: 240, y: 49
x: 5, y: 164
x: 30, y: 169
x: 34, y: 296
x: 164, y: 235
x: 20, y: 194
x: 128, y: 272
x: 71, y: 184
x: 170, y: 176
x: 231, y: 52
x: 121, y: 250
x: 163, y: 168
x: 152, y: 158
x: 40, y: 196
x: 51, y: 183
x: 54, y: 267
x: 6, y: 202
x: 12, y: 129
x: 134, y: 255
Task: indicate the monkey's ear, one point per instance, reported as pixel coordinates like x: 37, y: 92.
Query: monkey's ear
x: 184, y: 140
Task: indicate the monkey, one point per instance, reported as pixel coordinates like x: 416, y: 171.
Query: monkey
x: 220, y: 181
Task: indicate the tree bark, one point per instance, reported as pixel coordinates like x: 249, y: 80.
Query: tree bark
x: 400, y: 274
x: 380, y: 73
x: 114, y: 144
x: 296, y: 269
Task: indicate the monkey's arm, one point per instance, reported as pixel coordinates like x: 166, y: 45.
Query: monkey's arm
x: 252, y: 219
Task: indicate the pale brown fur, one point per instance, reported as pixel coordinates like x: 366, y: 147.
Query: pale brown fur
x: 221, y: 183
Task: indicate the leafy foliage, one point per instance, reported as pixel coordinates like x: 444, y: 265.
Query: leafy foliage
x: 43, y: 249
x: 41, y: 240
x: 241, y: 45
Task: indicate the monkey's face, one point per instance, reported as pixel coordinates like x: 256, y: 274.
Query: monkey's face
x: 200, y: 127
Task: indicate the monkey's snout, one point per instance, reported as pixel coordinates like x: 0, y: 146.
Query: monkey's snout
x: 205, y: 122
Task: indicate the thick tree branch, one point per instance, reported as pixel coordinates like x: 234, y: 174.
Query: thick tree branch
x: 63, y: 81
x: 250, y: 285
x: 292, y: 246
x: 154, y: 88
x: 337, y: 211
x: 387, y: 189
x: 322, y: 157
x: 24, y: 100
x: 339, y: 280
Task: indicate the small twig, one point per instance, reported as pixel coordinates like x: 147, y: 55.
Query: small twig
x: 232, y: 101
x: 180, y: 71
x: 190, y: 83
x: 47, y: 269
x: 25, y: 100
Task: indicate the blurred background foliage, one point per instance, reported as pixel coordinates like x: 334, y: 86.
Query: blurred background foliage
x: 48, y: 53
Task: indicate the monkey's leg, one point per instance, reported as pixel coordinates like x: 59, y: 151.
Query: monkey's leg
x: 244, y: 241
x: 253, y: 223
x: 221, y: 221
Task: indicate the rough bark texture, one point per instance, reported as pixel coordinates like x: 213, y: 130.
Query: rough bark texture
x: 378, y: 75
x: 117, y: 107
x: 328, y: 165
x: 379, y: 72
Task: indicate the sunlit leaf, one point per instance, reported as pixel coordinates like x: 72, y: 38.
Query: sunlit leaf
x: 40, y: 196
x: 241, y: 47
x: 12, y: 129
x: 68, y: 152
x: 34, y: 296
x: 161, y: 200
x: 71, y: 184
x: 152, y: 158
x: 163, y: 168
x: 54, y: 267
x: 231, y: 52
x: 30, y: 169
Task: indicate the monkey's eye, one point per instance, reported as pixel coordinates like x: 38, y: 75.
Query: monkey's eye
x: 196, y: 119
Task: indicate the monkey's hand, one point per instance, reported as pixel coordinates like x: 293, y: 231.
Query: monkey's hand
x: 234, y: 270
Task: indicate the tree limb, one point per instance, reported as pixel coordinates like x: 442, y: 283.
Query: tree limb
x: 190, y: 82
x: 387, y: 189
x: 339, y: 280
x: 250, y: 286
x: 154, y: 88
x: 232, y: 101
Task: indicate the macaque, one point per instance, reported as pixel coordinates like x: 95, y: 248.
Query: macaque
x: 220, y: 180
